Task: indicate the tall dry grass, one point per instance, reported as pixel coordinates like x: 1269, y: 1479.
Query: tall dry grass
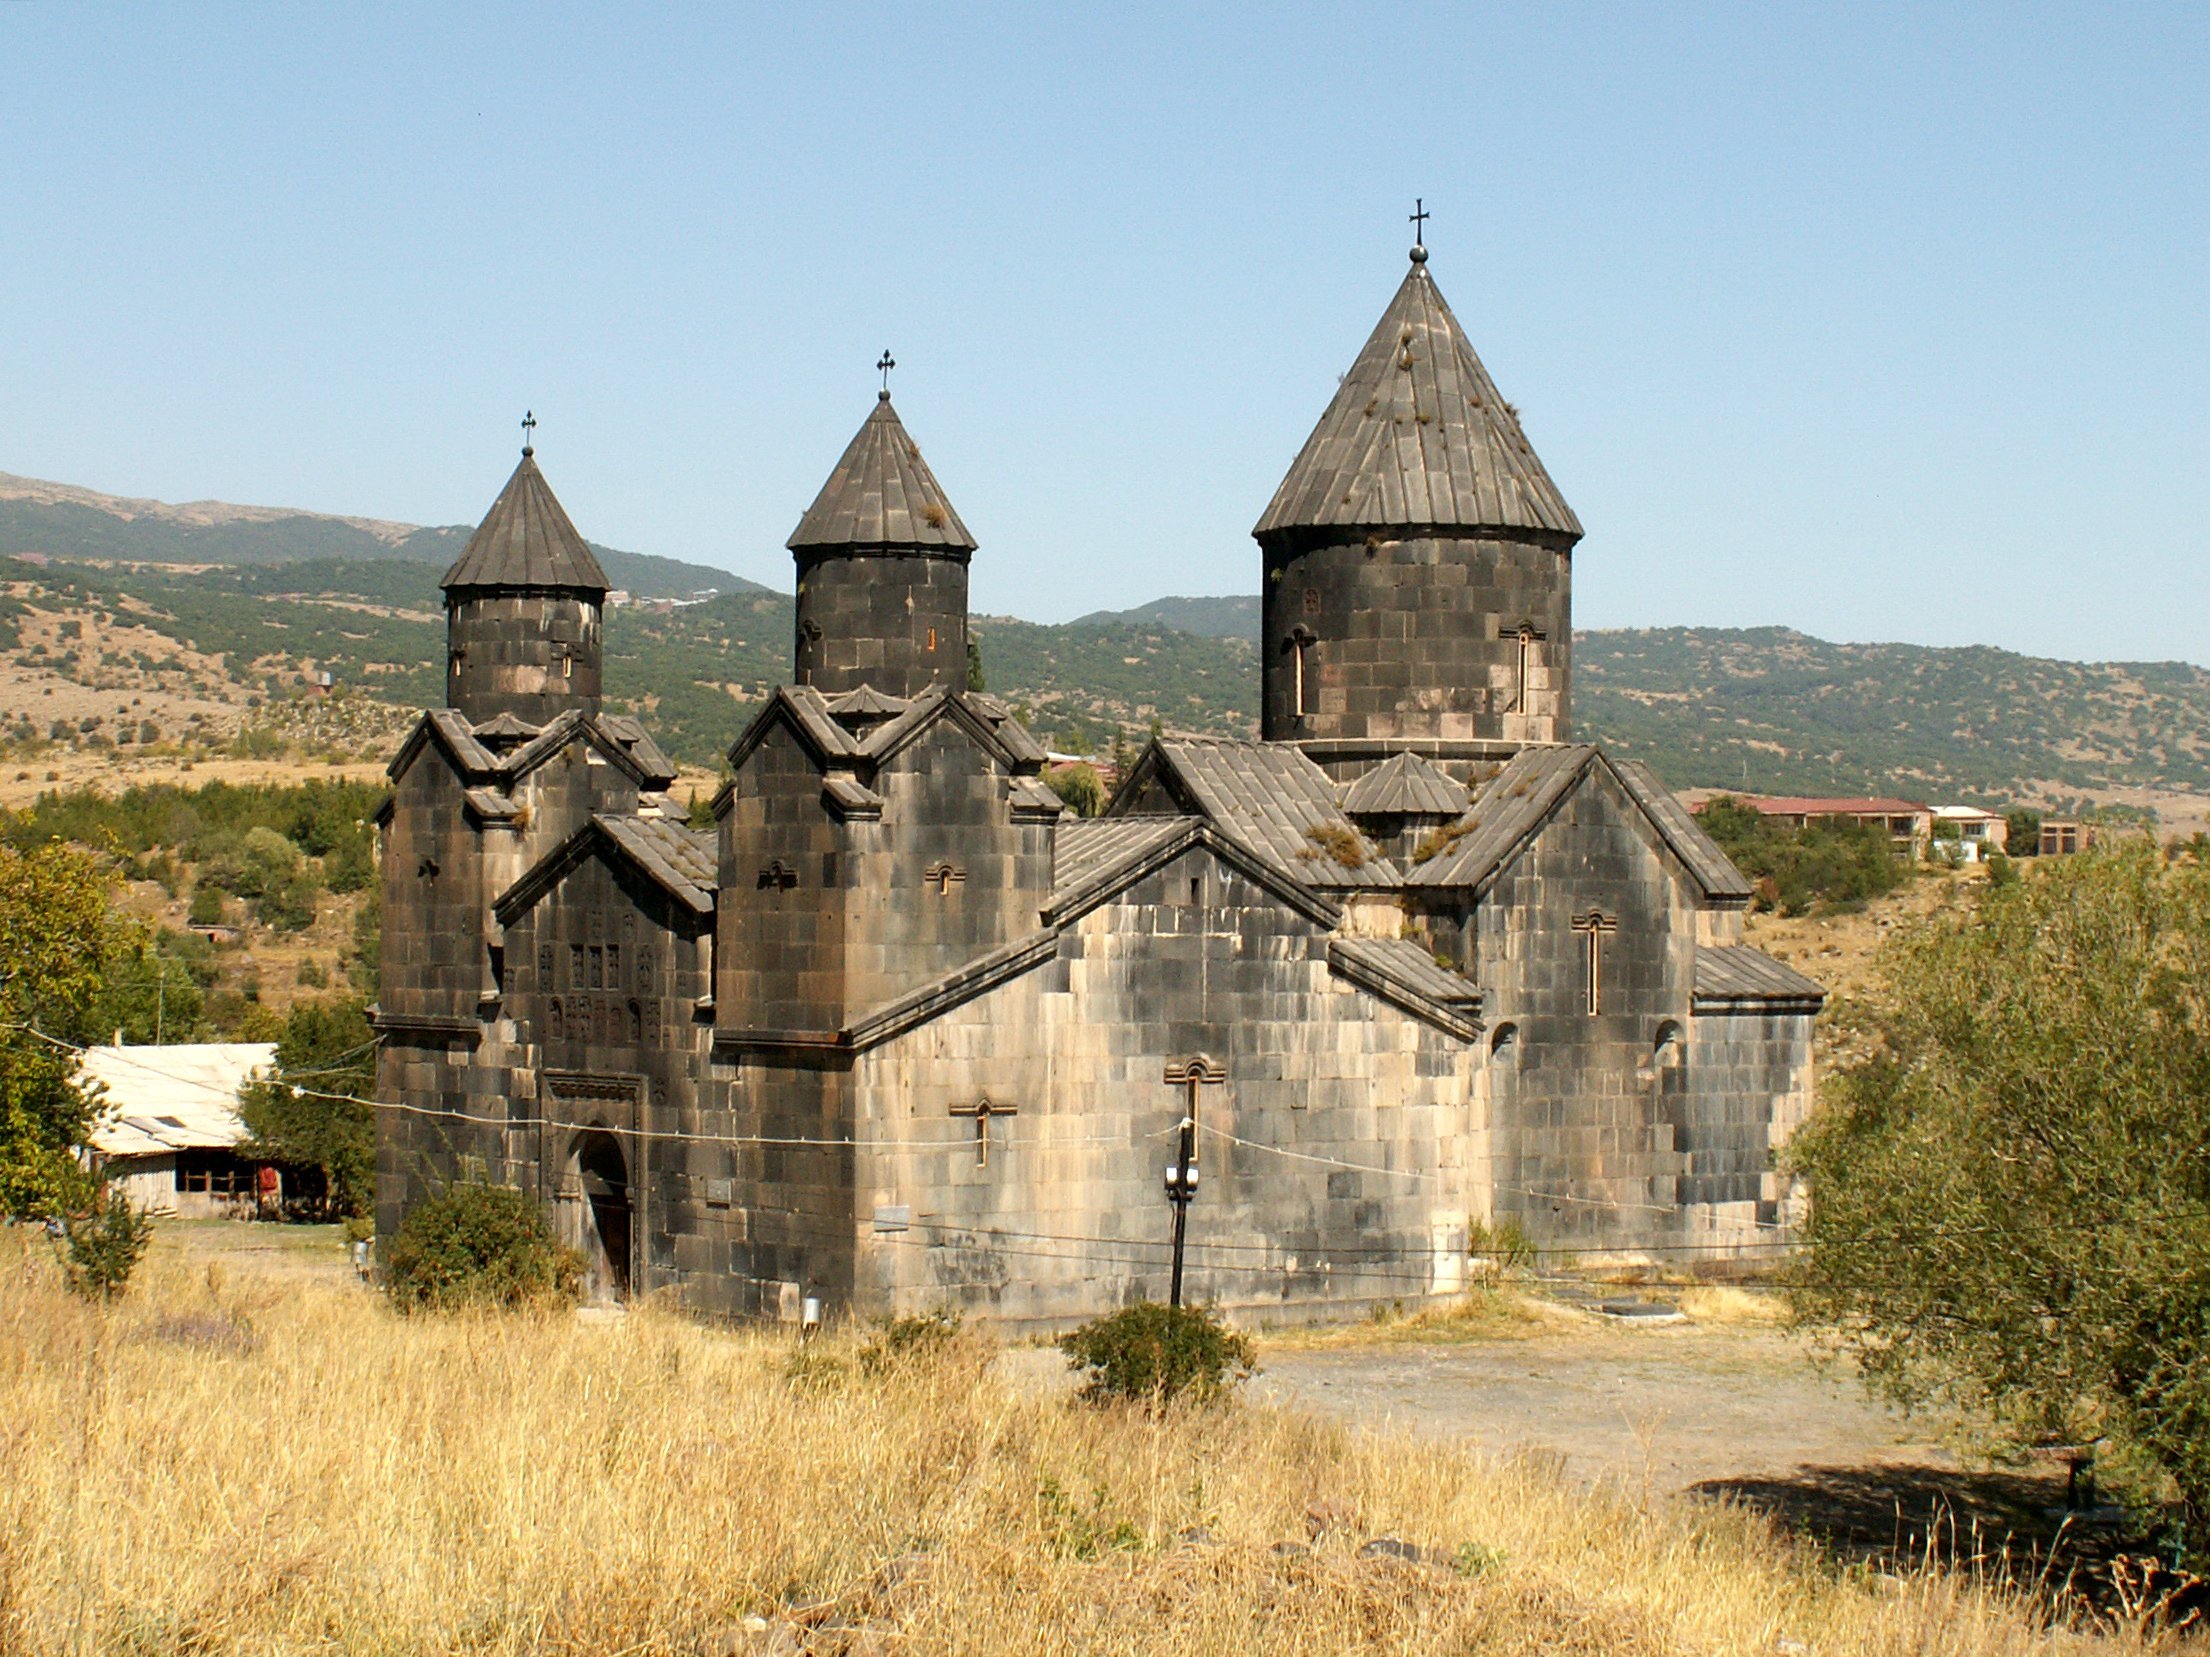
x: 267, y: 1465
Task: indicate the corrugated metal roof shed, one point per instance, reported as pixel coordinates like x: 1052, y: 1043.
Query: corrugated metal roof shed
x: 175, y: 1097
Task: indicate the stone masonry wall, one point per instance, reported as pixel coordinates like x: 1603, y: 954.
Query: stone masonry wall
x: 1418, y: 638
x: 1067, y: 1216
x: 532, y: 654
x: 890, y: 618
x: 1585, y: 1151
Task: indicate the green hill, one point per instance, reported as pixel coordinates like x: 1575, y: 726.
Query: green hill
x: 1235, y: 616
x: 1762, y: 708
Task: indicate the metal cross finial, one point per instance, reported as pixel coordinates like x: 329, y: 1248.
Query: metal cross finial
x: 886, y: 365
x: 1419, y: 217
x: 529, y: 432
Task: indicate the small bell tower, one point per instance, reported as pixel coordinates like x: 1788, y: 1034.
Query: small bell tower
x: 524, y: 606
x: 882, y: 569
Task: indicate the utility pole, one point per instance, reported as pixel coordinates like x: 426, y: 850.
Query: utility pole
x: 1181, y: 1189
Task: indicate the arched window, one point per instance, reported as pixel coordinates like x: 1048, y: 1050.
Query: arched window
x: 1504, y: 1044
x: 1668, y: 1052
x: 636, y: 1022
x: 553, y: 1020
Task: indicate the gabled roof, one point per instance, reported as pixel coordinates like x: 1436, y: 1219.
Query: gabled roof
x: 866, y: 703
x: 1405, y: 785
x: 679, y: 859
x: 1271, y: 798
x: 882, y: 494
x: 1712, y: 868
x: 1504, y: 816
x: 1405, y: 975
x: 1086, y: 848
x: 526, y: 540
x: 1734, y: 975
x: 622, y: 740
x: 812, y: 717
x: 1418, y: 437
x: 1515, y: 803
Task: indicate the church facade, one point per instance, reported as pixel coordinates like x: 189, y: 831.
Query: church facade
x: 899, y: 1032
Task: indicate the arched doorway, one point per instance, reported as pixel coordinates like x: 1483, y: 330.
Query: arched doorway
x: 607, y: 1232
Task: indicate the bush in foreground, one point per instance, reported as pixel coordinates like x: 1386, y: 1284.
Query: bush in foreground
x: 1154, y: 1354
x: 480, y: 1245
x: 104, y: 1243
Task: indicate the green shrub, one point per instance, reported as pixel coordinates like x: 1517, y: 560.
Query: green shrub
x: 349, y: 866
x: 898, y: 1343
x: 207, y: 906
x: 481, y: 1245
x: 103, y: 1244
x: 1823, y: 866
x: 1153, y: 1353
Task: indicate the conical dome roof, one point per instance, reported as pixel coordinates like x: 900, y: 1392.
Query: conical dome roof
x: 526, y: 540
x: 1417, y: 437
x: 882, y: 494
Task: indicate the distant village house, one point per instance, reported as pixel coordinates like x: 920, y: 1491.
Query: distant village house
x: 1977, y: 832
x: 168, y: 1130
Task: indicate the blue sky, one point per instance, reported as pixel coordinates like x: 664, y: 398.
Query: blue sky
x: 1881, y: 322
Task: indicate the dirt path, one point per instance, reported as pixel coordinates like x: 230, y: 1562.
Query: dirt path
x: 1665, y: 1408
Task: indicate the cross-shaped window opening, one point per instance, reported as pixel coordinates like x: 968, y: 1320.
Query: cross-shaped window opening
x: 982, y: 1110
x: 1593, y: 926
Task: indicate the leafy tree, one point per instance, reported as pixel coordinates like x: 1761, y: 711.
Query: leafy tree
x: 148, y: 992
x: 59, y: 938
x: 2022, y: 832
x: 1079, y: 786
x: 364, y: 962
x: 104, y: 1238
x: 350, y: 865
x: 309, y: 1112
x: 975, y: 679
x: 2011, y: 1195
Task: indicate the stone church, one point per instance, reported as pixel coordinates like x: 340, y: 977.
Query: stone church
x: 900, y: 1032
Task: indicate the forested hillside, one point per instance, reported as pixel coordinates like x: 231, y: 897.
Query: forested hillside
x: 161, y: 648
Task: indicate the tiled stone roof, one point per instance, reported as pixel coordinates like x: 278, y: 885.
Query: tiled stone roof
x: 681, y: 858
x: 1085, y: 850
x: 1505, y: 812
x: 1405, y: 785
x: 1274, y: 800
x: 1713, y: 869
x: 1400, y: 971
x: 1418, y: 437
x: 621, y: 739
x: 882, y: 494
x: 1735, y: 973
x: 526, y: 540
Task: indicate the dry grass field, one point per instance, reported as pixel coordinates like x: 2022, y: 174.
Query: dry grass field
x: 246, y: 1457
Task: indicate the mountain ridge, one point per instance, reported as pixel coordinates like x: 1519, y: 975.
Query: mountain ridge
x: 65, y: 521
